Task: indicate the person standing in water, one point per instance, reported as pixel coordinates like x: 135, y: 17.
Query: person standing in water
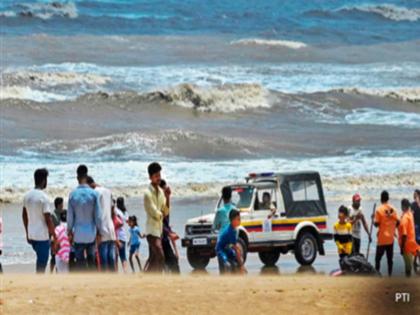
x: 156, y: 206
x: 357, y: 218
x: 36, y: 216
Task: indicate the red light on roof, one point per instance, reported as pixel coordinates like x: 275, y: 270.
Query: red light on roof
x: 252, y: 175
x: 239, y: 190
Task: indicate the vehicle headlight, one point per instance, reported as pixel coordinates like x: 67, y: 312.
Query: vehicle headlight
x: 188, y: 229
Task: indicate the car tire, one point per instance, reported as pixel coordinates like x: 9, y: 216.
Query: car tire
x: 196, y: 260
x: 306, y: 249
x: 269, y: 258
x: 243, y: 248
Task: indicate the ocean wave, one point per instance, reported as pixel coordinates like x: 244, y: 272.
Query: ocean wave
x: 411, y: 95
x: 43, y: 11
x: 143, y: 145
x: 223, y: 98
x: 269, y: 43
x: 388, y: 11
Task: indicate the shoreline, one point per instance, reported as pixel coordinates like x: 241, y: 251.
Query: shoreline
x: 336, y: 188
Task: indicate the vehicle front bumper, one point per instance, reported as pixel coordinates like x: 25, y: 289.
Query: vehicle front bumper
x: 199, y: 241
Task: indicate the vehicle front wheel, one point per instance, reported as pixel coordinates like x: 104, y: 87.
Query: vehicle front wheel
x: 269, y: 258
x: 306, y: 249
x: 196, y: 260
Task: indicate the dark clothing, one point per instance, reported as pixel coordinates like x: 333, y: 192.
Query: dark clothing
x: 171, y: 261
x: 356, y: 246
x: 56, y: 217
x: 416, y: 214
x: 156, y: 256
x: 122, y: 252
x: 85, y: 256
x: 380, y: 251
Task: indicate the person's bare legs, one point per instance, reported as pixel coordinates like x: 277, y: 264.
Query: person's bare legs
x: 138, y: 262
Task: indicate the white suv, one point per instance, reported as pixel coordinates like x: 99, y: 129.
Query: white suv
x: 299, y: 223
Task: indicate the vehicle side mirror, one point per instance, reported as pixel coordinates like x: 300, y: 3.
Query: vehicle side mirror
x: 283, y: 214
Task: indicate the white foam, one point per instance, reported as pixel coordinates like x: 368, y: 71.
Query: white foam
x: 404, y: 94
x: 269, y: 42
x: 46, y: 11
x: 18, y: 173
x: 372, y: 116
x: 389, y: 11
x: 26, y: 93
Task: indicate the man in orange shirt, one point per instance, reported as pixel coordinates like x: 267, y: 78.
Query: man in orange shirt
x: 386, y: 220
x: 407, y: 238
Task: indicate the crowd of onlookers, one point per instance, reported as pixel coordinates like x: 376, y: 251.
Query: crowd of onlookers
x: 96, y: 230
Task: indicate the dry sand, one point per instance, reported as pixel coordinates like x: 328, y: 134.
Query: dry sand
x: 203, y: 294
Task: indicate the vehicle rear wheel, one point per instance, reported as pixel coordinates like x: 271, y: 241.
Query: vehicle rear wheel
x: 269, y: 258
x: 243, y: 248
x: 196, y: 260
x: 306, y: 249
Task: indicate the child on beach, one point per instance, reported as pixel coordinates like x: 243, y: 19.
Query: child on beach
x: 357, y: 219
x: 343, y: 233
x: 228, y: 252
x: 63, y: 245
x: 134, y: 242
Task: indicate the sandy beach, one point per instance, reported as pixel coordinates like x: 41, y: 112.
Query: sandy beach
x: 200, y: 294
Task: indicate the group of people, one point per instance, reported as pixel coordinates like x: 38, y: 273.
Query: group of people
x: 390, y: 225
x: 92, y: 233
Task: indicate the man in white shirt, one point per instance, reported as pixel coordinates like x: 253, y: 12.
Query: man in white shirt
x: 37, y: 220
x: 107, y: 239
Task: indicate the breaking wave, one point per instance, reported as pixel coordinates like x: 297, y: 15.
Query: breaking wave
x: 269, y: 43
x: 388, y: 11
x: 42, y: 11
x: 411, y: 95
x: 224, y: 98
x: 143, y: 146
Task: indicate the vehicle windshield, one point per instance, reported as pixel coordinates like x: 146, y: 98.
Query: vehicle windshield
x: 241, y: 197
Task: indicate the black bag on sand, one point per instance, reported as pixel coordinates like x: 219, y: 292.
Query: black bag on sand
x: 357, y: 265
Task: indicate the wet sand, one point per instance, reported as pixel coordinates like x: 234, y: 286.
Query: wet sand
x: 200, y: 294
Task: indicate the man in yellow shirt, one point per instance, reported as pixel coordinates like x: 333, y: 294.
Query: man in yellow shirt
x: 343, y: 233
x: 156, y: 205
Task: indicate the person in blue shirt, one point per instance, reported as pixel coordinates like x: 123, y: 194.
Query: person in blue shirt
x: 134, y: 242
x: 84, y: 221
x: 228, y: 252
x: 221, y: 219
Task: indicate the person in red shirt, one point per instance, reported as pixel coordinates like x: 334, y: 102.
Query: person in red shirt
x: 386, y: 220
x: 407, y: 237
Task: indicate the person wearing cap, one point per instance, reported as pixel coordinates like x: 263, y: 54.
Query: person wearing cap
x: 357, y: 218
